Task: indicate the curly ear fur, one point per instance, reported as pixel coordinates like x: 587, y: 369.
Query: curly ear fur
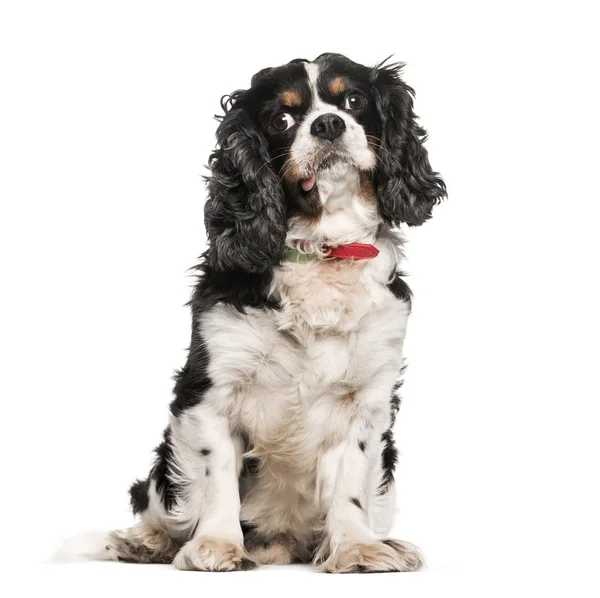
x: 245, y: 213
x: 407, y: 187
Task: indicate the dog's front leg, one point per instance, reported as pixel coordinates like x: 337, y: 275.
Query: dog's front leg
x: 348, y: 543
x: 208, y: 459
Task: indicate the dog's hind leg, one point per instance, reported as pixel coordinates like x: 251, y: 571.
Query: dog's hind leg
x: 142, y: 543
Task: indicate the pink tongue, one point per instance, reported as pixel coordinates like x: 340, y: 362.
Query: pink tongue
x: 308, y: 184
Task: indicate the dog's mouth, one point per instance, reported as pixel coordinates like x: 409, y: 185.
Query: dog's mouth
x: 309, y: 183
x: 306, y: 194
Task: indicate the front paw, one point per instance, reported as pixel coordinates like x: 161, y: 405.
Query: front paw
x: 212, y: 554
x: 386, y: 555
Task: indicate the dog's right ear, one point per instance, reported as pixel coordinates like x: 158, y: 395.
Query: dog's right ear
x: 245, y: 214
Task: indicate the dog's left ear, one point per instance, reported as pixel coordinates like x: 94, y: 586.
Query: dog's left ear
x: 407, y: 186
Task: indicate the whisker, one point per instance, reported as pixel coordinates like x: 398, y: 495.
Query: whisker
x: 381, y: 147
x: 286, y: 170
x: 300, y: 165
x: 271, y: 160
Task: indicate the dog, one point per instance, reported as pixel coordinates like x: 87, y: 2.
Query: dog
x: 279, y: 447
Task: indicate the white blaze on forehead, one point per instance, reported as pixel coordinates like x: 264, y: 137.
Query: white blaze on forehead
x: 312, y: 70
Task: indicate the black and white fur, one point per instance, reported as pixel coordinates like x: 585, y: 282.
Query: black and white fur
x: 279, y: 446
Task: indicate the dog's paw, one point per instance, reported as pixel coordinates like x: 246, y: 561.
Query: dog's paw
x: 142, y: 543
x: 386, y: 555
x: 212, y: 554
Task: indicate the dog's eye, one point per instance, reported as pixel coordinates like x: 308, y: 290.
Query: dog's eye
x: 283, y: 121
x: 354, y: 101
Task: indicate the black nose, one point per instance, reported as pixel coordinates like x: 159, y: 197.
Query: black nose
x: 328, y: 126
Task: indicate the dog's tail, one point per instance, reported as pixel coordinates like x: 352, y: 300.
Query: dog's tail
x: 88, y: 546
x: 142, y: 543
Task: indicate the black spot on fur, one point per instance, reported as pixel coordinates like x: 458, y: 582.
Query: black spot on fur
x: 247, y: 564
x: 389, y: 458
x: 400, y: 289
x: 207, y: 472
x: 195, y: 528
x: 139, y: 496
x: 247, y: 529
x: 251, y: 466
x: 362, y: 445
x: 394, y: 406
x: 192, y: 381
x: 389, y: 454
x: 395, y: 399
x: 205, y: 451
x: 163, y: 472
x: 356, y: 502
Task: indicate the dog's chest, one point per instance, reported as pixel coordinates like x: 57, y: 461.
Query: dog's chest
x: 324, y: 297
x: 283, y: 375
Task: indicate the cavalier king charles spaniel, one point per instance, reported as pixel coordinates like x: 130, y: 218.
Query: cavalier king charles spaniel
x: 279, y: 447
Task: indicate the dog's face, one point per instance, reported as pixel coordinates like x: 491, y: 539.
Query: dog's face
x: 296, y: 122
x: 316, y: 116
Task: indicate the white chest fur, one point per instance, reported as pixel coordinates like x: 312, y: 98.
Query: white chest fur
x: 338, y: 327
x: 331, y: 295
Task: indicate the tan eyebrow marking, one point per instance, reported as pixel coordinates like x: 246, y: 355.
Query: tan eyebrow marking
x: 337, y: 85
x: 291, y: 97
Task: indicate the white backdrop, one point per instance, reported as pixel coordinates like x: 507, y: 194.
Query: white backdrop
x: 106, y: 125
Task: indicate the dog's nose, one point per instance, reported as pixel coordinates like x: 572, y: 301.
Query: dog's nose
x: 328, y: 126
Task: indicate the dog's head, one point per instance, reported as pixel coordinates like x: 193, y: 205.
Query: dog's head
x: 296, y: 122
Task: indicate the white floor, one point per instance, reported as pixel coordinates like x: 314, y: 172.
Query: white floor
x: 119, y: 579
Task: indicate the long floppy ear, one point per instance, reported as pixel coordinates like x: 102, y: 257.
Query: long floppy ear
x: 407, y: 187
x: 245, y: 213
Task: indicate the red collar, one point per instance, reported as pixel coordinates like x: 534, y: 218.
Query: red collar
x: 352, y: 251
x: 355, y: 251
